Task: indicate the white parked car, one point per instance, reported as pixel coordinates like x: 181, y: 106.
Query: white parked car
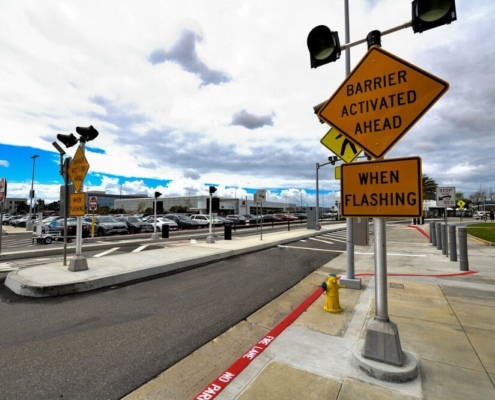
x: 204, y: 220
x: 160, y: 221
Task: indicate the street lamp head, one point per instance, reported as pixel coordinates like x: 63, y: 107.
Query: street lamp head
x: 59, y: 149
x: 323, y: 46
x: 429, y: 14
x: 35, y: 156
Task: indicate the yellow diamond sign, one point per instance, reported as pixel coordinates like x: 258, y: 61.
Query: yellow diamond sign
x: 78, y: 169
x: 340, y: 145
x: 382, y: 98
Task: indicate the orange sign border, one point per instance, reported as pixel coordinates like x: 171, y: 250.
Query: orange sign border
x: 330, y: 118
x: 348, y: 186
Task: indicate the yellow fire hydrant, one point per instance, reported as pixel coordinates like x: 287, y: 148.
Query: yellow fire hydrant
x: 331, y: 286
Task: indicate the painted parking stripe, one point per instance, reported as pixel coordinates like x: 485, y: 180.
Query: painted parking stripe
x: 106, y: 252
x: 320, y: 240
x: 306, y: 248
x: 140, y: 248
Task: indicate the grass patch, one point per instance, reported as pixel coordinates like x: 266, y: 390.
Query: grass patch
x: 485, y: 231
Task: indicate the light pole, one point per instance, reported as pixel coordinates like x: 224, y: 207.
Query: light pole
x: 29, y: 223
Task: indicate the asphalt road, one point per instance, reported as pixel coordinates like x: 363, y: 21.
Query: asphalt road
x: 107, y: 343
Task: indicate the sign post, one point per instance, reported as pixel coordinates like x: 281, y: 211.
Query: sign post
x: 377, y: 104
x: 77, y: 171
x: 3, y: 196
x: 445, y: 198
x: 260, y: 198
x: 93, y: 205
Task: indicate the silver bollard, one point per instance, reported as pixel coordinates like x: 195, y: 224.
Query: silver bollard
x: 463, y: 252
x: 433, y: 236
x: 444, y: 240
x: 452, y: 243
x: 438, y: 226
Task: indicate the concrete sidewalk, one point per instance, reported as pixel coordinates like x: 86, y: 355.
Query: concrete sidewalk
x: 446, y: 320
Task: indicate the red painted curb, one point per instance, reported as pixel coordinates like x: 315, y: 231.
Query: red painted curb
x: 420, y: 230
x: 212, y: 390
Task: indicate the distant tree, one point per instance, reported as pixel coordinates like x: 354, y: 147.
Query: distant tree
x: 429, y: 188
x: 22, y: 208
x: 478, y: 198
x: 141, y: 208
x: 53, y: 206
x: 178, y: 209
x: 104, y: 210
x: 116, y: 211
x: 39, y: 205
x: 149, y: 210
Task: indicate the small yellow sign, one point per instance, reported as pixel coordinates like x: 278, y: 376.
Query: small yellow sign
x: 77, y: 205
x: 461, y: 204
x: 337, y: 172
x: 340, y: 145
x: 387, y: 188
x: 78, y: 169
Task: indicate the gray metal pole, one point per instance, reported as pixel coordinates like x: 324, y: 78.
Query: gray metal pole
x: 317, y: 197
x: 350, y: 280
x: 445, y: 245
x: 463, y: 251
x: 381, y: 269
x: 382, y: 342
x: 433, y: 237
x: 439, y: 235
x: 452, y: 242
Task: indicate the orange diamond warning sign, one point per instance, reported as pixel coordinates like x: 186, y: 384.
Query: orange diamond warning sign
x: 382, y: 98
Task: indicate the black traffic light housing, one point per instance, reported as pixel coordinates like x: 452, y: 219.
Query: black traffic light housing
x: 333, y: 159
x: 323, y: 46
x: 157, y: 194
x: 213, y: 189
x: 87, y: 134
x: 427, y: 14
x: 67, y: 140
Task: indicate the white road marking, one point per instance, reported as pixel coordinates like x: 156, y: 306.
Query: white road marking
x: 306, y: 248
x: 140, y: 248
x: 323, y: 241
x: 106, y: 252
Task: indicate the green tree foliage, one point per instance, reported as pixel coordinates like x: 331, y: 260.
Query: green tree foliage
x: 178, y: 209
x: 429, y: 188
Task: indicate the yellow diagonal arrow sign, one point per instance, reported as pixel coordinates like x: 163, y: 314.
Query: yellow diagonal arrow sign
x: 340, y: 145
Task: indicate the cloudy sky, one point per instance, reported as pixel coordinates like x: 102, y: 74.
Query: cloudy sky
x: 196, y: 93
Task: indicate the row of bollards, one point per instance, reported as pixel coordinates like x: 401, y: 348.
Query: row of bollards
x: 446, y: 241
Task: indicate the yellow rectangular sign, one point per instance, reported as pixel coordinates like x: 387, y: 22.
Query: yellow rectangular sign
x: 386, y: 188
x: 77, y: 205
x: 337, y: 172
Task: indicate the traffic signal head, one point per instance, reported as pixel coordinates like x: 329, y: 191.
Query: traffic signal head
x: 213, y: 189
x: 333, y: 159
x: 68, y: 140
x: 157, y: 194
x: 323, y: 46
x: 428, y: 14
x: 87, y: 134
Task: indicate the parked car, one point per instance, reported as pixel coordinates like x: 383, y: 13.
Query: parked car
x: 252, y: 219
x: 271, y: 218
x: 480, y: 214
x: 237, y: 219
x: 300, y: 215
x: 14, y: 219
x: 19, y: 223
x: 58, y: 227
x: 286, y: 217
x: 137, y: 225
x: 106, y: 225
x: 183, y: 221
x: 160, y: 221
x: 226, y: 222
x: 204, y: 220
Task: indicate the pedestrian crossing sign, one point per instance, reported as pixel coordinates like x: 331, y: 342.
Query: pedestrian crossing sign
x: 341, y: 146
